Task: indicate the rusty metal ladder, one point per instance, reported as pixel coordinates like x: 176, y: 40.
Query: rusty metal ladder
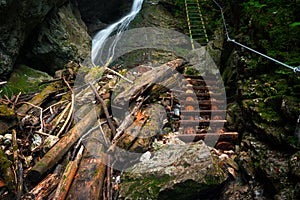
x: 198, y: 121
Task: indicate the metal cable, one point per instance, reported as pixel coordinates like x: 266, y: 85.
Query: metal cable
x: 295, y: 69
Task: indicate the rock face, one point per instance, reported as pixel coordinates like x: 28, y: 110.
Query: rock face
x: 187, y: 171
x: 17, y: 20
x: 105, y: 11
x: 266, y: 105
x: 97, y: 13
x: 270, y: 107
x: 60, y: 38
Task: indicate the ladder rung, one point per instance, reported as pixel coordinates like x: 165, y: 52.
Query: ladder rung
x: 201, y: 111
x: 203, y: 102
x: 200, y: 121
x: 197, y: 137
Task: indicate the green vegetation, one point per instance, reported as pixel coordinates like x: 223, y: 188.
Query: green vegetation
x: 24, y: 79
x: 273, y: 27
x: 147, y: 187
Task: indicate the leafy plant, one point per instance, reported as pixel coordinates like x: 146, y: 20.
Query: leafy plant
x: 295, y: 24
x: 254, y: 4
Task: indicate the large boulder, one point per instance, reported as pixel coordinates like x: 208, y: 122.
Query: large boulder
x: 187, y: 171
x: 60, y: 38
x: 17, y: 20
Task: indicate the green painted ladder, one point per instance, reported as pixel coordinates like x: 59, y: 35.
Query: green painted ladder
x: 196, y: 24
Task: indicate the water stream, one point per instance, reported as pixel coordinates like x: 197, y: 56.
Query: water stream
x: 101, y: 37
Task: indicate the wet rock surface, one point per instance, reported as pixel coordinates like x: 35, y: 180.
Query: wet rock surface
x: 270, y: 109
x: 98, y: 13
x: 187, y: 171
x: 18, y: 19
x: 60, y: 38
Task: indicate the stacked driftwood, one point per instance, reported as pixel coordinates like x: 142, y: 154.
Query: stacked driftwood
x: 64, y: 138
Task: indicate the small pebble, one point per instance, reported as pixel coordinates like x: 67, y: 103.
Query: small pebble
x: 7, y: 136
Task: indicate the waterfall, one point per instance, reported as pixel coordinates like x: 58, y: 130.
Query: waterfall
x: 101, y: 37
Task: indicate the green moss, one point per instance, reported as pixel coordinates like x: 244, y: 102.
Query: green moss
x: 261, y: 111
x: 146, y: 187
x: 24, y: 79
x: 6, y: 112
x: 40, y: 164
x: 96, y: 172
x: 191, y: 71
x: 5, y: 169
x: 268, y: 115
x: 94, y: 73
x: 4, y: 162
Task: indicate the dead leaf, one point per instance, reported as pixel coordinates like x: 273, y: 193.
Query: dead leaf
x: 2, y: 184
x: 139, y: 116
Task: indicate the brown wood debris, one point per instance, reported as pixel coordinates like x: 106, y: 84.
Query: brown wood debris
x: 60, y: 142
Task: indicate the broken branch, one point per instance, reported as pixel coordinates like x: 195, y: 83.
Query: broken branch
x: 56, y: 153
x: 67, y: 177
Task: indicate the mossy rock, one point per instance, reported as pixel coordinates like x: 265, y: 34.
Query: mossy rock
x: 159, y: 16
x: 24, y: 79
x: 234, y: 117
x: 258, y: 110
x: 187, y: 171
x: 256, y: 88
x: 7, y: 118
x: 6, y: 112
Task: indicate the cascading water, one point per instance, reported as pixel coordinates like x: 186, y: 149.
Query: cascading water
x: 101, y: 37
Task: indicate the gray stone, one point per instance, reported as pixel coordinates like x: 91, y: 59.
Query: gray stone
x: 17, y: 20
x: 187, y: 171
x: 60, y: 38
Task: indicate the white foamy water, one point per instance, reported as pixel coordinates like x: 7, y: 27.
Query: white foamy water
x: 101, y: 37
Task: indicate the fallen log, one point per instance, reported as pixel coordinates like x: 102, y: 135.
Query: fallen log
x: 139, y: 135
x: 128, y: 120
x: 38, y: 99
x: 56, y: 153
x: 164, y: 75
x: 154, y: 81
x: 89, y: 179
x: 153, y: 126
x: 45, y: 187
x: 131, y: 134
